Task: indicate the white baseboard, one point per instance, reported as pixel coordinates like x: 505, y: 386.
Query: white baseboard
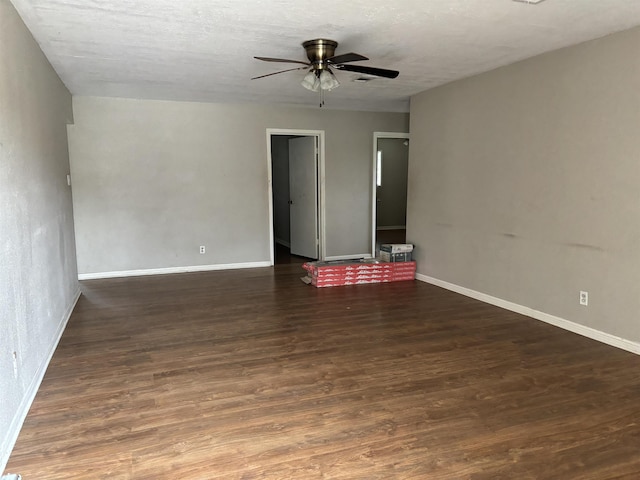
x: 392, y: 227
x: 356, y: 256
x: 284, y: 243
x: 165, y: 271
x: 588, y: 332
x: 18, y: 420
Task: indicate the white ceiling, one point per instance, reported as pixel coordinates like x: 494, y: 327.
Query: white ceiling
x: 202, y: 50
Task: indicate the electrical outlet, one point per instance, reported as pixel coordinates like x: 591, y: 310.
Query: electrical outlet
x: 14, y: 357
x: 584, y: 298
x: 202, y: 249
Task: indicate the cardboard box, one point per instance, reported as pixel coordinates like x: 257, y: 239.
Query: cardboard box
x: 395, y: 257
x: 396, y: 247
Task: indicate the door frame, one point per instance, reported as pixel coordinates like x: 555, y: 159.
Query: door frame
x: 376, y: 136
x: 319, y: 135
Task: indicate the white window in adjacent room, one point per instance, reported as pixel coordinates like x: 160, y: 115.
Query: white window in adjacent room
x: 379, y: 169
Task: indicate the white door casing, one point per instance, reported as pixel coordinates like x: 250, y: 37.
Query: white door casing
x: 376, y: 136
x: 319, y: 135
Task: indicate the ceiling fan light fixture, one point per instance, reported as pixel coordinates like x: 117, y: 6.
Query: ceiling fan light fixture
x: 322, y: 59
x: 328, y: 80
x: 311, y: 81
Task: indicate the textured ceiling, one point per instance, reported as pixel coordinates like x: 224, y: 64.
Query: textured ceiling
x: 202, y: 50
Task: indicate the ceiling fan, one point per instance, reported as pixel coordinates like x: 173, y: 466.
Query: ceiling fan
x: 322, y: 58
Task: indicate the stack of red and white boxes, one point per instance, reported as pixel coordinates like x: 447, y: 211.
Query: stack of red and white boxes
x: 333, y: 274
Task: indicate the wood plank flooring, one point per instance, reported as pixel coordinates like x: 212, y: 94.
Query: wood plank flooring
x: 251, y: 374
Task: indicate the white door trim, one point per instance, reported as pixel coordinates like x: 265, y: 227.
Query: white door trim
x: 319, y: 134
x: 376, y: 136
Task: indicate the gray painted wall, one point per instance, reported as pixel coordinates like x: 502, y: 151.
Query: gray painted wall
x: 154, y: 180
x: 524, y: 183
x: 38, y: 276
x: 392, y: 194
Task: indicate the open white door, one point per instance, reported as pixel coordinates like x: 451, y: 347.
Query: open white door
x: 303, y: 194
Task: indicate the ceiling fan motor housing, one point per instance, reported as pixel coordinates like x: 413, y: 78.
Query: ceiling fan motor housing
x: 319, y: 50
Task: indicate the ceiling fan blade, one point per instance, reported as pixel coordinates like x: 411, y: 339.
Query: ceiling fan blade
x: 378, y: 72
x: 281, y: 71
x: 346, y: 57
x: 283, y: 60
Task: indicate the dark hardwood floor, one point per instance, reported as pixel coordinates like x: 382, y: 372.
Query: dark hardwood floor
x: 282, y: 255
x: 251, y: 374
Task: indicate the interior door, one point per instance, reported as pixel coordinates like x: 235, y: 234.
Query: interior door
x: 303, y: 194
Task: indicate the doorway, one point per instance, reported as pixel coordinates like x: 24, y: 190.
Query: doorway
x: 389, y: 189
x: 296, y: 197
